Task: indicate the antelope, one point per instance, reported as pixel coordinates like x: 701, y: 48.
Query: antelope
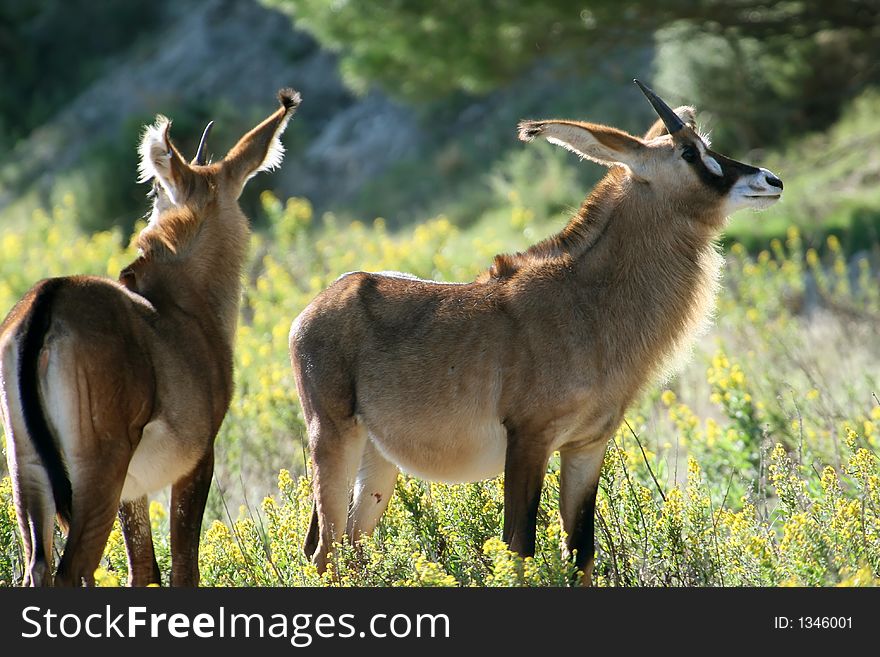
x: 113, y: 390
x: 543, y: 352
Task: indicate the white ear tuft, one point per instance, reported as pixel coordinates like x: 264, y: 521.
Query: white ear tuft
x: 158, y: 158
x: 580, y: 151
x: 275, y: 152
x: 599, y: 143
x: 154, y: 150
x: 261, y: 149
x: 584, y: 141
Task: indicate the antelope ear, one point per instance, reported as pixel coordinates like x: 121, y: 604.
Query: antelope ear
x: 261, y: 148
x: 160, y: 160
x: 686, y: 113
x: 608, y: 146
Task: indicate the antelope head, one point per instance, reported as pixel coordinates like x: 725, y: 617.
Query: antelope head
x: 672, y: 159
x: 197, y: 229
x: 196, y: 191
x: 197, y: 236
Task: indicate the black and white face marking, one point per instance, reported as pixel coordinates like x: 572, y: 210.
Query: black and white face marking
x: 743, y: 185
x: 755, y: 191
x: 708, y: 160
x: 740, y: 185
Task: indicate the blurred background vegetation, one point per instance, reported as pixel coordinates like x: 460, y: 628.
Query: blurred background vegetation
x: 403, y: 156
x: 410, y: 107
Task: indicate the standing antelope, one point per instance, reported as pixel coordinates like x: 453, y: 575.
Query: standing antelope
x: 543, y: 352
x: 111, y: 391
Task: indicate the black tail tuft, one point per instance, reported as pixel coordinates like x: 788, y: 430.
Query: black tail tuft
x: 29, y: 387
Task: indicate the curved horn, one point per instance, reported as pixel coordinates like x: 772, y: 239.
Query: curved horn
x: 200, y: 154
x: 670, y: 119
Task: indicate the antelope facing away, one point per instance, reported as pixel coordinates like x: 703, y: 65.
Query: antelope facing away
x: 543, y: 352
x: 111, y: 391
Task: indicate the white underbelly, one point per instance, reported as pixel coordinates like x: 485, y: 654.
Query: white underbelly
x: 456, y: 453
x: 160, y: 459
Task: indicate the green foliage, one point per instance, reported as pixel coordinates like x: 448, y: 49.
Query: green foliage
x: 830, y: 185
x: 760, y: 90
x: 423, y: 51
x: 24, y: 251
x: 10, y: 545
x: 823, y: 529
x: 39, y: 42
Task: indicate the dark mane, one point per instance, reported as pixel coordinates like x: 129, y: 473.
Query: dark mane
x: 579, y: 235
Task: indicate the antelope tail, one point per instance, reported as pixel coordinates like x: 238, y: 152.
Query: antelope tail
x: 35, y: 421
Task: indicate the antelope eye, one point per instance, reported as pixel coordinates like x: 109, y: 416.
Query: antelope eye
x: 689, y: 153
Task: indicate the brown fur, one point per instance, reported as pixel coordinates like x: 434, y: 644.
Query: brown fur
x: 543, y: 352
x: 134, y: 377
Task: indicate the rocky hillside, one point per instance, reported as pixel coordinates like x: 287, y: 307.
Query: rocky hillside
x: 223, y: 59
x: 231, y: 53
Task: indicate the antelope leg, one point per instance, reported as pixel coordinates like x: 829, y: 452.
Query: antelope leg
x: 373, y: 489
x: 578, y: 485
x: 336, y: 453
x: 188, y: 498
x: 524, y: 467
x: 134, y: 517
x: 310, y: 545
x: 91, y: 521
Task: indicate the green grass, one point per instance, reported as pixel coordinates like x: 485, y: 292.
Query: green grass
x: 832, y: 185
x: 764, y: 446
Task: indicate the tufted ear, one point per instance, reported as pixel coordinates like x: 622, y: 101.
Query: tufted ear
x: 608, y: 146
x: 261, y: 148
x: 160, y: 161
x: 685, y: 113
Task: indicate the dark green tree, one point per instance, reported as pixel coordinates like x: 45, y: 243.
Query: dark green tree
x: 796, y: 61
x: 50, y: 48
x: 427, y: 49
